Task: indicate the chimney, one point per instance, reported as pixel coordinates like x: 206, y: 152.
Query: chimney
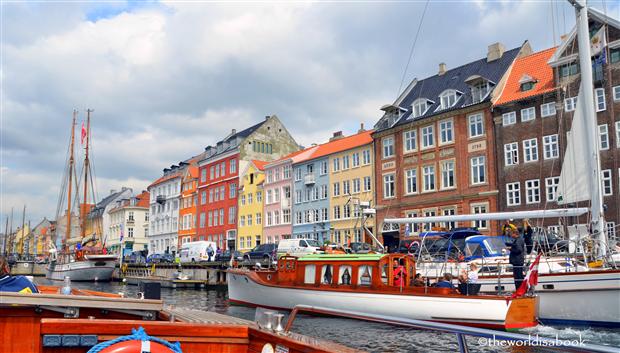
x: 267, y: 117
x: 361, y: 128
x: 112, y: 191
x: 496, y: 50
x: 442, y: 68
x: 337, y: 136
x: 234, y: 131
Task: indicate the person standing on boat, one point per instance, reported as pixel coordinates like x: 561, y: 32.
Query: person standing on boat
x: 399, y: 274
x: 508, y: 227
x: 527, y: 236
x: 517, y: 257
x: 10, y: 283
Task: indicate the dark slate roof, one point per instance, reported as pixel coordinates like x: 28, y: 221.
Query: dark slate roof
x: 431, y: 87
x: 101, y: 205
x: 229, y: 146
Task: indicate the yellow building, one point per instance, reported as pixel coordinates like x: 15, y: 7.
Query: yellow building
x: 250, y: 215
x: 351, y: 186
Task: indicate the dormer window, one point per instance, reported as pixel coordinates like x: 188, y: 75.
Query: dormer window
x: 480, y: 88
x: 448, y: 98
x: 527, y: 83
x: 527, y: 86
x: 420, y: 106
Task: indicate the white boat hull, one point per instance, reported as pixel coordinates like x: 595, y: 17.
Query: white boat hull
x: 94, y: 268
x: 471, y: 311
x: 583, y: 298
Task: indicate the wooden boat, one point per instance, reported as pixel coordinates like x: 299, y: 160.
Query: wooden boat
x: 364, y: 283
x: 50, y: 322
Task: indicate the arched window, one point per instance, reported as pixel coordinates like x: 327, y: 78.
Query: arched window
x: 448, y: 98
x: 419, y: 107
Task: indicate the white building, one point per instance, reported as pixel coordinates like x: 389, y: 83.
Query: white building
x: 129, y: 224
x: 165, y: 194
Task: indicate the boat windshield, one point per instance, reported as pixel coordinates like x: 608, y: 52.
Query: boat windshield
x: 474, y: 250
x: 495, y: 245
x: 312, y: 242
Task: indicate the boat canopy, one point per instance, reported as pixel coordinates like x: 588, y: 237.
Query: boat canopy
x: 554, y: 213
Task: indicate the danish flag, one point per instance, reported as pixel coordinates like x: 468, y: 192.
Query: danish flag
x: 530, y: 280
x: 83, y: 133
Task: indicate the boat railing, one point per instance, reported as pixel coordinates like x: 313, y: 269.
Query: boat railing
x: 486, y: 336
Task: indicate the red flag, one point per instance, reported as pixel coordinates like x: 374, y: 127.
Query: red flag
x: 530, y: 280
x: 83, y: 132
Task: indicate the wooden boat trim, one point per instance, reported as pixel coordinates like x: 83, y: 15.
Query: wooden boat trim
x: 80, y: 301
x: 184, y: 339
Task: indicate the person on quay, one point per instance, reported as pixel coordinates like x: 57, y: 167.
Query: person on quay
x: 210, y: 252
x: 527, y: 236
x: 10, y: 283
x: 517, y: 257
x: 399, y: 274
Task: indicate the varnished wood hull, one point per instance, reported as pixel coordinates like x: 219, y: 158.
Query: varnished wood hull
x: 490, y: 312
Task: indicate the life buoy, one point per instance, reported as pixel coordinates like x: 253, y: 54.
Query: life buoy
x: 137, y: 342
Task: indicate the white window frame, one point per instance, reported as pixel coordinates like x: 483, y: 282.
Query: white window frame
x: 389, y: 178
x: 607, y: 185
x: 570, y: 104
x: 513, y: 194
x: 616, y: 93
x: 410, y: 140
x: 532, y: 191
x: 551, y: 188
x: 547, y: 109
x: 551, y: 146
x: 446, y: 127
x: 509, y: 118
x: 419, y: 107
x: 411, y: 174
x: 530, y: 150
x: 603, y: 137
x: 448, y: 99
x: 477, y: 178
x: 481, y: 224
x: 511, y: 154
x: 425, y: 136
x: 599, y: 99
x: 387, y: 144
x: 475, y: 125
x: 448, y: 167
x: 530, y: 112
x: 428, y: 175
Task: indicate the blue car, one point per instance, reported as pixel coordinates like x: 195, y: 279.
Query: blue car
x: 160, y: 258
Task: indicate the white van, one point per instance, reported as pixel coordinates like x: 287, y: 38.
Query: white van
x: 298, y: 247
x: 196, y: 251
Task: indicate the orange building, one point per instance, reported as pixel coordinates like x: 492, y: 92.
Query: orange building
x: 189, y: 201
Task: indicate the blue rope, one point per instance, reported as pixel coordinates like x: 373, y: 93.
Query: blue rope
x: 136, y: 335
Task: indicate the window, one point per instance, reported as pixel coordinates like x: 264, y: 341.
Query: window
x: 259, y: 218
x: 513, y: 194
x: 477, y: 170
x: 367, y: 183
x: 388, y: 147
x: 202, y: 220
x: 211, y: 172
x: 547, y: 109
x: 569, y: 69
x: 323, y: 167
x: 356, y: 159
x: 210, y: 219
x: 298, y: 174
x: 203, y: 175
x: 323, y: 192
x: 250, y: 198
x: 232, y: 214
x: 607, y: 184
x: 448, y: 98
x: 217, y: 171
x: 336, y: 164
x: 526, y: 86
x: 599, y: 98
x: 269, y: 198
x: 222, y: 192
x: 270, y: 176
x: 243, y: 200
x: 530, y: 150
x: 337, y: 189
x: 357, y: 187
x: 221, y: 216
x: 269, y: 219
x: 616, y: 93
x: 223, y: 168
x: 388, y: 186
x: 550, y: 146
x: 242, y: 221
x: 551, y: 188
x: 446, y: 134
x: 410, y: 140
x: 203, y: 197
x: 618, y: 134
x: 511, y: 154
x: 286, y: 216
x: 570, y: 104
x: 480, y: 90
x: 509, y: 118
x: 315, y: 193
x: 428, y: 173
x: 249, y: 220
x: 447, y: 175
x: 233, y: 166
x: 411, y: 181
x: 532, y: 191
x: 232, y: 191
x: 477, y: 209
x: 476, y: 125
x: 603, y: 137
x: 276, y: 195
x: 428, y: 139
x: 298, y: 196
x: 366, y: 157
x: 259, y: 196
x: 346, y: 187
x: 345, y: 162
x: 336, y: 212
x: 419, y: 107
x: 346, y: 211
x: 287, y: 171
x: 528, y: 114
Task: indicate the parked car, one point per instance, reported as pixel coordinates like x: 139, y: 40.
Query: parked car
x: 136, y: 257
x: 360, y: 248
x: 298, y: 247
x: 262, y: 252
x: 226, y: 255
x: 160, y: 258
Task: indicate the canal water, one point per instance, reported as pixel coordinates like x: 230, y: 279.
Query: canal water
x: 371, y: 337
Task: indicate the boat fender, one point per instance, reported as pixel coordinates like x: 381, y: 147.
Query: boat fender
x: 137, y: 342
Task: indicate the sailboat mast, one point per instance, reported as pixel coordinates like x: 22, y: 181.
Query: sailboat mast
x: 6, y: 236
x: 86, y: 167
x: 585, y: 65
x: 21, y: 240
x: 71, y: 167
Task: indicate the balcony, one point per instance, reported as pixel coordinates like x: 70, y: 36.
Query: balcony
x: 161, y: 199
x: 309, y: 179
x: 131, y: 221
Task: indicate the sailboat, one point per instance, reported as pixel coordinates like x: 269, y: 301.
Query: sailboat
x: 70, y: 253
x: 578, y: 296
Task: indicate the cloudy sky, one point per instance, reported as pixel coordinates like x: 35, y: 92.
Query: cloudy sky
x: 165, y: 79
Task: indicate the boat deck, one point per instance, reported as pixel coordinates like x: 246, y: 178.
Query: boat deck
x: 208, y: 317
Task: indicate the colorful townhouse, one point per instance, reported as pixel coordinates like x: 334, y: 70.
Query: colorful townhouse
x: 533, y: 116
x: 323, y: 208
x: 435, y: 148
x: 251, y: 193
x: 188, y: 208
x: 219, y: 175
x: 279, y: 182
x: 98, y: 220
x: 129, y: 225
x: 351, y: 179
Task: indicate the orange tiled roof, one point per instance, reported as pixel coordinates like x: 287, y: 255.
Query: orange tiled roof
x: 165, y: 178
x: 143, y: 199
x: 259, y: 164
x: 343, y: 144
x: 192, y: 170
x: 534, y: 65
